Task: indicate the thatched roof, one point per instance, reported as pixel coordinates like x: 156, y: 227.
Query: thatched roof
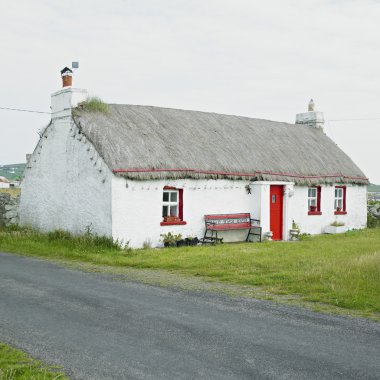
x: 143, y: 142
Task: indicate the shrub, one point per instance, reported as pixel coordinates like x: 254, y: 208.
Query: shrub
x: 372, y: 221
x: 373, y: 214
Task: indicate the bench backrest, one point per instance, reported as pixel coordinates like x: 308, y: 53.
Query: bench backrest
x: 230, y: 219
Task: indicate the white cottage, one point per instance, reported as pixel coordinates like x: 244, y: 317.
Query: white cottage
x: 136, y: 172
x: 4, y: 183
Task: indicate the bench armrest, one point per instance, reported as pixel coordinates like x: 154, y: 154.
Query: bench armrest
x: 255, y: 222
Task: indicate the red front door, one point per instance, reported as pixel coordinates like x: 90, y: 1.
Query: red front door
x: 276, y: 198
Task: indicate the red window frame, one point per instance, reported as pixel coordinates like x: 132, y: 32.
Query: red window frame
x: 344, y: 210
x: 319, y: 196
x: 180, y: 208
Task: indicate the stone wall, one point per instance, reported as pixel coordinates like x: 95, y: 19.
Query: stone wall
x: 8, y: 209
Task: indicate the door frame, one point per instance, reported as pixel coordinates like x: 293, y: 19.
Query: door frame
x: 261, y: 192
x: 282, y: 211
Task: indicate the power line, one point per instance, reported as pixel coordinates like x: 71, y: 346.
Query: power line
x: 375, y: 118
x: 21, y: 110
x: 49, y: 113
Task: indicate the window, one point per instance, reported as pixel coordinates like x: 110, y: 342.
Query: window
x: 340, y: 200
x: 314, y: 200
x: 172, y: 206
x: 170, y: 203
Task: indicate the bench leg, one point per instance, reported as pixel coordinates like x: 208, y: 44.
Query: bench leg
x: 249, y: 232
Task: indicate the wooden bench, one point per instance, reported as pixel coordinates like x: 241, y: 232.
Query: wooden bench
x: 228, y: 222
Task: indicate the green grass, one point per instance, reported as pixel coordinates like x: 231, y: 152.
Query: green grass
x: 95, y: 104
x: 340, y: 270
x: 16, y: 365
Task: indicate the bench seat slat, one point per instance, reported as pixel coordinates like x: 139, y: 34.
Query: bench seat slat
x: 228, y: 216
x: 228, y: 226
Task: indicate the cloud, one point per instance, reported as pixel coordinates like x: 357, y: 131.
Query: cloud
x: 247, y: 57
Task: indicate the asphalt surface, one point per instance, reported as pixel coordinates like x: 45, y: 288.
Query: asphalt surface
x: 99, y: 328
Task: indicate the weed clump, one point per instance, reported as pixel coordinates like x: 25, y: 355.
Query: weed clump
x: 94, y: 104
x: 85, y: 241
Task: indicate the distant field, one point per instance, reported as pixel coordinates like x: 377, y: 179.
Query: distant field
x: 374, y: 188
x: 14, y: 192
x: 13, y: 171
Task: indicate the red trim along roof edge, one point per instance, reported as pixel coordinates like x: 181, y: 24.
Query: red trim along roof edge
x: 234, y: 173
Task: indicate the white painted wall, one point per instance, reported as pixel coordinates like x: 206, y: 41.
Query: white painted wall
x: 356, y: 204
x: 66, y: 184
x: 137, y: 209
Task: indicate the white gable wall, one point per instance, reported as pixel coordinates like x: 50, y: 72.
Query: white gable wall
x: 66, y: 184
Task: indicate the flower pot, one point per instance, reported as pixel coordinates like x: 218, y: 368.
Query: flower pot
x: 268, y: 235
x: 171, y: 219
x: 313, y: 208
x: 170, y: 244
x: 335, y: 229
x: 180, y: 243
x: 294, y: 233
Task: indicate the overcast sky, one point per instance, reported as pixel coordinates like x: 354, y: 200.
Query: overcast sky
x: 257, y: 58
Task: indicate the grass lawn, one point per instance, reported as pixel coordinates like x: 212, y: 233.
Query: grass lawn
x: 339, y: 270
x: 16, y: 365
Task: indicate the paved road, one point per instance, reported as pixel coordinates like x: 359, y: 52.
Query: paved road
x: 99, y: 328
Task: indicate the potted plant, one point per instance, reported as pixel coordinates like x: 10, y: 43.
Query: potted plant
x: 179, y: 241
x: 268, y: 235
x: 168, y: 239
x: 313, y: 208
x: 295, y: 230
x: 336, y: 228
x: 191, y: 240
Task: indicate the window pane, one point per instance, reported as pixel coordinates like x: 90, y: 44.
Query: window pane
x: 165, y: 211
x: 312, y: 192
x: 313, y: 202
x: 165, y: 196
x: 173, y: 196
x: 173, y: 211
x: 339, y: 204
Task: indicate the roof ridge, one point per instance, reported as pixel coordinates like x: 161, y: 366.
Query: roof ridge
x: 203, y: 112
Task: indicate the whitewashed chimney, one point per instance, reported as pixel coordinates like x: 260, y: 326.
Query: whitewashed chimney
x: 64, y: 100
x: 312, y: 118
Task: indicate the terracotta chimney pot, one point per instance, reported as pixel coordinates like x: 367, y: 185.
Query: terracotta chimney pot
x: 67, y: 77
